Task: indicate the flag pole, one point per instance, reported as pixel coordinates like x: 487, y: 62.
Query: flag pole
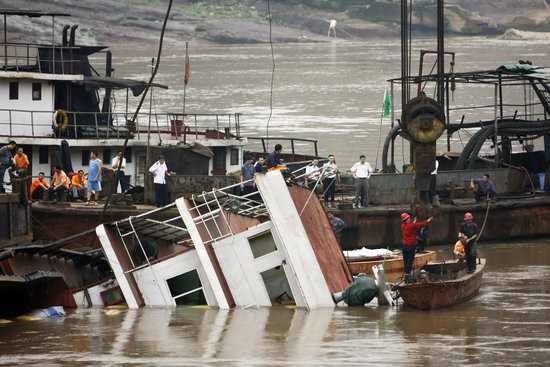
x: 379, y: 139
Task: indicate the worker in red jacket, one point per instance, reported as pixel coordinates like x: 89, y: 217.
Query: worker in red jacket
x: 409, y: 228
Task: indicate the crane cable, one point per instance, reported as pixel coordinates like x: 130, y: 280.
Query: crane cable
x: 272, y: 73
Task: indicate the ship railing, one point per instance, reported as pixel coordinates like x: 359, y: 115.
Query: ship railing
x: 37, y: 58
x: 118, y: 125
x: 211, y: 213
x: 267, y: 144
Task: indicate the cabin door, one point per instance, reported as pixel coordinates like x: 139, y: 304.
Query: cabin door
x: 218, y: 162
x: 141, y: 170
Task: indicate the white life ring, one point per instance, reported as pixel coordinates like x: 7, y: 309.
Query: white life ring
x: 63, y: 126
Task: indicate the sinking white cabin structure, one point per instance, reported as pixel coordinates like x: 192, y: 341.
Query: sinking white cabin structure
x: 272, y: 246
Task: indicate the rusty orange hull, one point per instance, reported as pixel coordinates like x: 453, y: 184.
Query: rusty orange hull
x: 393, y: 267
x: 445, y: 288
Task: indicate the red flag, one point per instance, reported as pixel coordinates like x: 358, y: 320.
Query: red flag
x: 186, y: 79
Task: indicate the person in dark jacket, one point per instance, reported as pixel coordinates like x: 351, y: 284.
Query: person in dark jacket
x: 469, y: 230
x: 485, y: 189
x: 6, y: 161
x: 273, y: 159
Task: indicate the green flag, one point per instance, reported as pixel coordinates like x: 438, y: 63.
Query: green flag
x: 387, y: 104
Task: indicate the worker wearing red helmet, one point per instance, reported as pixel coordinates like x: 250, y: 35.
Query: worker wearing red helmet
x: 409, y: 227
x: 469, y: 229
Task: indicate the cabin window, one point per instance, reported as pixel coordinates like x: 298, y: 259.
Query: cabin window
x: 43, y: 155
x: 112, y: 296
x: 107, y: 156
x: 262, y: 244
x: 85, y: 157
x: 234, y: 156
x: 186, y: 289
x: 14, y: 90
x: 36, y: 91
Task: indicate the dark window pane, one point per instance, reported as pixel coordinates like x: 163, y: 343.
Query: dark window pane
x: 184, y: 283
x: 85, y: 157
x: 14, y: 90
x: 36, y: 91
x: 107, y: 156
x: 42, y: 155
x: 128, y: 154
x: 234, y: 156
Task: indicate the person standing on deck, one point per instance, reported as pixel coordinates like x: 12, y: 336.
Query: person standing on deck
x: 259, y: 166
x: 117, y: 162
x: 6, y: 161
x: 332, y: 27
x: 273, y: 159
x: 433, y: 182
x: 409, y: 227
x: 329, y: 173
x: 159, y: 171
x: 361, y: 171
x: 313, y: 172
x: 247, y: 177
x: 469, y: 229
x: 94, y: 178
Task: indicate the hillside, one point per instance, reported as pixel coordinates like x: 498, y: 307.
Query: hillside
x: 245, y: 21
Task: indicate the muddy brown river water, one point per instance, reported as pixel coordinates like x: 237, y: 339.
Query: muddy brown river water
x: 506, y: 324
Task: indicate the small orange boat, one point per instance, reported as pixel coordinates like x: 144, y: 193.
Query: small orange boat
x: 393, y: 267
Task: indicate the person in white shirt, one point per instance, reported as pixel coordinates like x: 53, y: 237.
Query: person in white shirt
x: 433, y: 182
x: 329, y: 173
x: 332, y: 27
x: 312, y: 174
x: 361, y: 171
x: 159, y: 171
x: 120, y: 161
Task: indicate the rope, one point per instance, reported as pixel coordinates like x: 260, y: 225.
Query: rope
x: 484, y: 221
x: 272, y: 74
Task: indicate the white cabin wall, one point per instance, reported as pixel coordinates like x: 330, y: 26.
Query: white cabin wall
x: 94, y: 293
x: 240, y: 268
x: 38, y: 167
x: 158, y: 294
x: 292, y: 240
x: 234, y: 167
x: 228, y: 166
x: 21, y: 119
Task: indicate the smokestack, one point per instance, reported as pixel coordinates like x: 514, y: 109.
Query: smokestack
x: 65, y: 30
x: 73, y: 29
